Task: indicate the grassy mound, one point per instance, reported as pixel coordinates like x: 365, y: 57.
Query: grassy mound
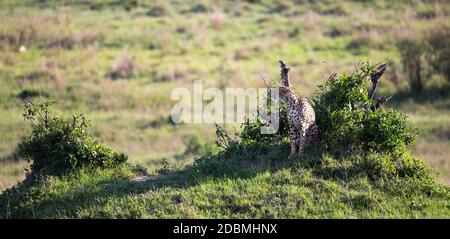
x: 252, y: 181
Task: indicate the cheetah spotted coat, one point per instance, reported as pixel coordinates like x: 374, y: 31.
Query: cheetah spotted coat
x: 301, y: 120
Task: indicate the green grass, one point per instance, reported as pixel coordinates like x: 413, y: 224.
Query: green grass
x: 73, y: 47
x: 258, y: 183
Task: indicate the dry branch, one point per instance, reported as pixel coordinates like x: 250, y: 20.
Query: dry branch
x: 375, y: 78
x: 381, y: 100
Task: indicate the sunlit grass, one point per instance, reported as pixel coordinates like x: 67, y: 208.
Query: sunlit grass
x: 229, y: 45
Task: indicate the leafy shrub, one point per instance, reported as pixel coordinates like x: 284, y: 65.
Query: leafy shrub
x: 166, y: 167
x: 57, y: 146
x: 251, y: 130
x: 360, y: 138
x: 348, y: 120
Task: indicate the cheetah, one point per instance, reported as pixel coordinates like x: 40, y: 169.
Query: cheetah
x: 301, y: 119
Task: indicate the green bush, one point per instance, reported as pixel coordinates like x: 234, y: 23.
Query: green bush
x: 57, y: 146
x: 361, y: 138
x: 348, y: 120
x: 251, y: 130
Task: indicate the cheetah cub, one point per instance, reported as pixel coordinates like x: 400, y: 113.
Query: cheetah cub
x: 301, y: 120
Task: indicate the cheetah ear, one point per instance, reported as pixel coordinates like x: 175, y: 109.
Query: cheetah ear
x: 284, y: 73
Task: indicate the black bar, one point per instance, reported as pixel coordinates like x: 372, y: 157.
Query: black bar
x: 227, y: 228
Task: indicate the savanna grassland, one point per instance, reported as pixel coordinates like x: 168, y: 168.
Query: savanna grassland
x: 117, y: 62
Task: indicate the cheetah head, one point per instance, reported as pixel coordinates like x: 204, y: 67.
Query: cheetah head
x: 284, y: 93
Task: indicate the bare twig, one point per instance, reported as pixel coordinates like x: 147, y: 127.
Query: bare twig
x: 330, y: 75
x: 381, y: 100
x: 264, y: 80
x: 46, y: 118
x: 35, y: 107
